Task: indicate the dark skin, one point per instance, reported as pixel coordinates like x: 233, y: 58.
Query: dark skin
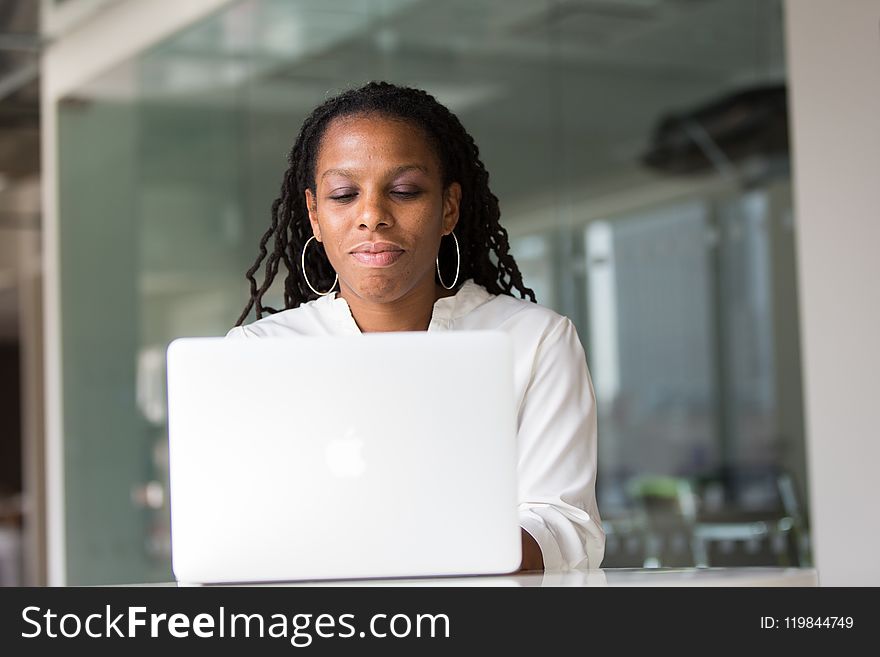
x: 379, y: 180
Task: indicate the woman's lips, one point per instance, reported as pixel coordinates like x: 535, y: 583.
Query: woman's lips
x: 380, y: 259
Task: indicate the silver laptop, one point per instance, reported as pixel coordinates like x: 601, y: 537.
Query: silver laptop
x: 382, y: 455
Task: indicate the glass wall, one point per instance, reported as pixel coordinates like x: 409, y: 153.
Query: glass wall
x: 639, y: 150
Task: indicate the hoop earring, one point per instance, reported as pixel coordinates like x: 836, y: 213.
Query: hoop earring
x: 457, y: 264
x: 306, y: 277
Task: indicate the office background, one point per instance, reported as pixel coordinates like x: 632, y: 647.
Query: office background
x: 641, y: 152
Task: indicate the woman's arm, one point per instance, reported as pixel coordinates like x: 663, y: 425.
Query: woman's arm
x: 557, y: 455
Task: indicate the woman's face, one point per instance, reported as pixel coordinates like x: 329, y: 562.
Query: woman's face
x: 379, y: 206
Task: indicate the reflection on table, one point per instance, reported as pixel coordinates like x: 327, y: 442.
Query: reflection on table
x: 723, y: 577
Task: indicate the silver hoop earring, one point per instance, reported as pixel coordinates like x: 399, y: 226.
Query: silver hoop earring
x: 457, y: 264
x: 306, y: 277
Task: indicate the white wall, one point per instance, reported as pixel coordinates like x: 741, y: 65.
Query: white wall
x: 834, y: 95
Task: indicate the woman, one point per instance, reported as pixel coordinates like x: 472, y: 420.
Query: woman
x: 379, y: 177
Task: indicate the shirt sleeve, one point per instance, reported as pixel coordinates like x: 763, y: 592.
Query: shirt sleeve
x: 557, y: 439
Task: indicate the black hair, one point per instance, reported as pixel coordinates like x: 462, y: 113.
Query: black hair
x: 482, y: 240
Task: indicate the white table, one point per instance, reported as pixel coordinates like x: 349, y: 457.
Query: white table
x: 719, y: 577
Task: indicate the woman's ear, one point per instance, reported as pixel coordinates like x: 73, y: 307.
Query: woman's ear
x: 451, y: 205
x: 312, y: 209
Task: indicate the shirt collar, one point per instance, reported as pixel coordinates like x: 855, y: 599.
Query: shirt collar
x: 446, y: 309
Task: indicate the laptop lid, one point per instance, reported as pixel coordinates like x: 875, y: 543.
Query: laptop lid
x: 381, y: 455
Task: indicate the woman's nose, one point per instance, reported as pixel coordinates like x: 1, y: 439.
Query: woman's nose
x: 374, y: 213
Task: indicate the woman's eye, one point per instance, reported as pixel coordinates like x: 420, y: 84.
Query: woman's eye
x: 347, y: 196
x: 405, y: 193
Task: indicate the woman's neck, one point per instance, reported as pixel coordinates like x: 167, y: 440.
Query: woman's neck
x: 411, y: 312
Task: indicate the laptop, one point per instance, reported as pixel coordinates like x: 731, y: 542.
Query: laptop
x: 324, y: 458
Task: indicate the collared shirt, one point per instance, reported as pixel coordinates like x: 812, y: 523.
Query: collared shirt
x: 556, y: 408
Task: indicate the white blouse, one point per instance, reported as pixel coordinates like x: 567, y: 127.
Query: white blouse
x: 556, y: 404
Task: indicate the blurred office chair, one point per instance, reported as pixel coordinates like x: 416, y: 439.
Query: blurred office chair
x: 772, y: 533
x: 668, y: 509
x: 626, y: 540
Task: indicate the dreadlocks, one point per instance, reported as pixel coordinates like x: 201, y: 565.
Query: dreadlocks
x: 482, y: 241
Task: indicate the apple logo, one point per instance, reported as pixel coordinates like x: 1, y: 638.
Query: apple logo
x: 344, y: 455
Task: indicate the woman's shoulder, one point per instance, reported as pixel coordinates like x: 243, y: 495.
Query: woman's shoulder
x: 310, y: 318
x: 506, y: 311
x: 539, y: 334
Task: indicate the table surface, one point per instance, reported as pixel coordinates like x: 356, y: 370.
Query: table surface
x: 724, y: 577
